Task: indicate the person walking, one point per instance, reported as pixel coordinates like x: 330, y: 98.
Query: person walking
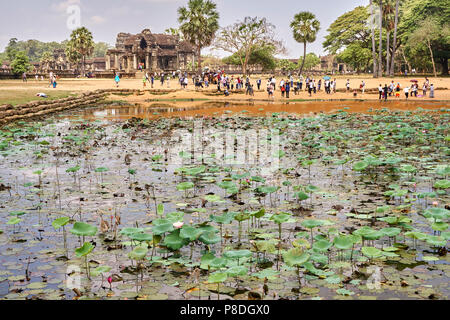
x: 424, y: 89
x: 117, y: 80
x: 310, y: 87
x: 380, y: 92
x: 24, y: 77
x: 385, y: 92
x: 288, y: 89
x: 282, y: 88
x: 363, y: 87
x: 319, y: 84
x: 432, y: 91
x: 152, y: 79
x: 406, y: 91
x: 348, y: 85
x: 334, y: 85
x: 258, y: 83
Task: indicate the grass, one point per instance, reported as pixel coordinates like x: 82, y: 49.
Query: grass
x: 22, y: 96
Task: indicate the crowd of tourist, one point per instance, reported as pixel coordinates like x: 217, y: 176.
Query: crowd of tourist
x: 226, y: 83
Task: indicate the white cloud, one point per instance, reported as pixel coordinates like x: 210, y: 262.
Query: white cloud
x: 97, y: 19
x: 61, y: 6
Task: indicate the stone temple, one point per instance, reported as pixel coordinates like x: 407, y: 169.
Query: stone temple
x: 150, y: 51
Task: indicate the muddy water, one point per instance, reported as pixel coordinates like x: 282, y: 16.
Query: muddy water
x: 36, y: 246
x: 156, y: 110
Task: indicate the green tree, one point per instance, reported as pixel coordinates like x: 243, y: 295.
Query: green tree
x: 412, y: 11
x: 305, y: 27
x: 47, y: 59
x: 12, y: 49
x: 346, y: 29
x: 263, y: 56
x: 175, y: 32
x: 427, y: 33
x: 80, y: 46
x: 100, y: 49
x: 311, y: 60
x: 21, y: 63
x: 245, y: 37
x: 199, y: 24
x: 357, y: 56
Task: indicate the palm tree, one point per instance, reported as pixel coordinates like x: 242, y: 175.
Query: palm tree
x: 305, y: 27
x: 80, y: 46
x: 394, y: 47
x: 46, y: 60
x: 199, y: 24
x: 380, y: 51
x: 388, y: 12
x: 374, y: 53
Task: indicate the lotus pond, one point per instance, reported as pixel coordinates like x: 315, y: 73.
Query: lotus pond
x: 356, y: 207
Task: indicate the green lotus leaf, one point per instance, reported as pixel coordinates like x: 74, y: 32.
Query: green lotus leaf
x: 217, y: 277
x: 439, y: 226
x: 60, y: 222
x: 301, y: 243
x: 84, y: 250
x: 161, y: 226
x: 212, y: 198
x: 227, y: 185
x: 442, y: 184
x: 160, y: 209
x: 141, y: 237
x: 360, y: 165
x: 310, y: 224
x: 130, y: 231
x: 437, y: 213
x: 174, y: 241
x: 83, y: 229
x: 138, y: 253
x: 266, y: 273
x: 408, y: 168
x: 175, y: 216
x: 280, y: 217
x: 242, y: 216
x: 258, y: 214
x: 416, y: 235
x: 295, y: 257
x: 209, y: 237
x: 237, y: 254
x: 322, y: 245
x: 237, y: 271
x: 99, y: 270
x: 218, y: 263
x: 371, y: 252
x: 14, y: 220
x: 17, y: 213
x: 225, y: 218
x: 391, y: 232
x: 437, y: 241
x: 185, y: 186
x: 190, y: 233
x: 343, y: 242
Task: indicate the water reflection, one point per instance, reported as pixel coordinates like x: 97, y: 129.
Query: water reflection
x: 190, y: 108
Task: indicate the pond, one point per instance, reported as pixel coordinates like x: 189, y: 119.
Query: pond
x: 329, y: 200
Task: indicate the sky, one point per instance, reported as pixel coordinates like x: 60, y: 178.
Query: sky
x: 47, y: 20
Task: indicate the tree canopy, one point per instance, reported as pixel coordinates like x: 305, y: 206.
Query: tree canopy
x: 199, y: 24
x: 245, y: 37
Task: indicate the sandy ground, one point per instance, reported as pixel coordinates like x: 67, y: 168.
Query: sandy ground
x: 83, y: 85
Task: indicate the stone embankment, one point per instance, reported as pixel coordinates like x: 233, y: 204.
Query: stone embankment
x: 9, y: 113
